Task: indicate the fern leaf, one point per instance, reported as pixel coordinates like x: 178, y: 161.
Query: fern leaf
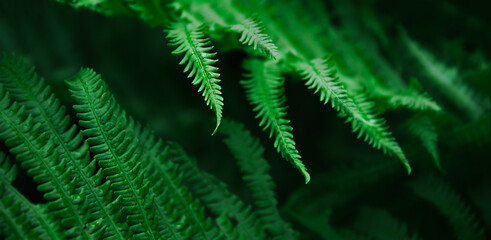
x: 26, y: 88
x: 450, y: 204
x: 321, y: 76
x: 248, y: 152
x: 41, y: 224
x: 191, y: 42
x: 422, y: 127
x: 115, y: 152
x: 447, y: 79
x: 216, y: 196
x: 264, y: 88
x: 37, y: 154
x: 252, y: 30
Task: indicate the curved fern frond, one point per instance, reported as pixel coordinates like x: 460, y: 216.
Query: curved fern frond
x: 216, y: 196
x: 41, y: 225
x: 264, y: 89
x: 116, y: 153
x: 450, y: 204
x: 253, y: 33
x: 448, y: 80
x: 192, y: 42
x: 26, y: 88
x: 320, y: 75
x: 422, y: 127
x: 248, y: 152
x: 36, y: 152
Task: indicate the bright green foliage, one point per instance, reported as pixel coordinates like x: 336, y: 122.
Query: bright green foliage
x: 101, y: 174
x: 450, y: 204
x: 136, y: 193
x: 264, y: 88
x: 252, y: 30
x: 116, y: 153
x: 191, y: 41
x: 321, y: 76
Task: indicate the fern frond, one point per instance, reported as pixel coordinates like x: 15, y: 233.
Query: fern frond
x: 41, y: 225
x: 450, y: 204
x: 192, y: 42
x: 381, y: 225
x: 320, y: 75
x: 172, y: 191
x: 253, y: 33
x: 215, y: 195
x: 264, y: 89
x: 26, y: 88
x: 36, y: 152
x: 116, y: 153
x: 248, y: 152
x: 422, y: 127
x: 447, y: 79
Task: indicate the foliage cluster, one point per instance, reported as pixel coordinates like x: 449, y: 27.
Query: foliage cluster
x: 414, y: 90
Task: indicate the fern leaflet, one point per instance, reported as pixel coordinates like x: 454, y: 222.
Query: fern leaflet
x: 191, y: 41
x: 264, y: 89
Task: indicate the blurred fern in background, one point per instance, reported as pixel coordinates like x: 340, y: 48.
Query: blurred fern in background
x: 400, y: 151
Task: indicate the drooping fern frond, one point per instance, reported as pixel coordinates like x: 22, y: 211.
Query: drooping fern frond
x: 192, y: 42
x: 115, y: 152
x: 320, y: 75
x: 248, y: 152
x: 450, y: 204
x: 35, y: 151
x: 253, y: 33
x: 26, y: 88
x: 381, y: 225
x: 422, y: 128
x: 448, y: 80
x: 40, y: 225
x: 264, y: 89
